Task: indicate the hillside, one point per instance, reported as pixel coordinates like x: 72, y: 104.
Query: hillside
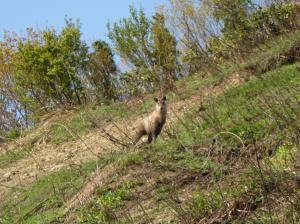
x: 229, y: 153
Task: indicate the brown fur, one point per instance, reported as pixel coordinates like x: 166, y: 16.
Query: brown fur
x: 153, y: 124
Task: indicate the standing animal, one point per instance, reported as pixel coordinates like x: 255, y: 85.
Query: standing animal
x: 152, y: 125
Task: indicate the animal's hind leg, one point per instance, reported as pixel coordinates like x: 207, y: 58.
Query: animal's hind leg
x: 138, y: 135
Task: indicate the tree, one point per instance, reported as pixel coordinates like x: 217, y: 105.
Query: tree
x: 101, y: 69
x: 131, y: 38
x: 8, y: 103
x: 233, y: 14
x: 148, y: 47
x: 164, y: 52
x: 192, y: 23
x: 49, y: 67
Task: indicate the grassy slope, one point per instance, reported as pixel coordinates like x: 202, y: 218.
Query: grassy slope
x: 85, y: 118
x: 230, y: 170
x: 215, y: 142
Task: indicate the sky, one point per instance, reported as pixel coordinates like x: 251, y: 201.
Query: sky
x: 17, y: 15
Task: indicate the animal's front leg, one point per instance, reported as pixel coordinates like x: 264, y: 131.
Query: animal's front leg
x: 153, y: 137
x: 150, y: 138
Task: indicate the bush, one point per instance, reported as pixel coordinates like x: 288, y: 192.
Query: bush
x: 14, y: 133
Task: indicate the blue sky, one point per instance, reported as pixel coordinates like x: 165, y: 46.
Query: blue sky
x: 16, y: 15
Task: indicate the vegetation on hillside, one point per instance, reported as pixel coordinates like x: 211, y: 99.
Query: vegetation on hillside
x: 47, y: 68
x: 228, y: 155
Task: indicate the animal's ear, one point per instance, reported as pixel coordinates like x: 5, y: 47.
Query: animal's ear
x: 156, y: 100
x: 164, y: 98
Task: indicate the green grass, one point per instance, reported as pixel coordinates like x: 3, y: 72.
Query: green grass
x: 204, y: 203
x: 255, y: 110
x: 67, y: 131
x: 250, y: 189
x: 276, y: 46
x: 190, y: 85
x: 85, y: 120
x: 14, y: 155
x: 237, y: 111
x: 129, y: 159
x: 263, y: 58
x: 43, y: 201
x: 107, y: 201
x: 191, y: 162
x: 161, y: 193
x: 265, y: 109
x: 261, y: 110
x: 249, y: 110
x: 283, y: 158
x: 9, y: 157
x: 96, y: 116
x: 14, y: 133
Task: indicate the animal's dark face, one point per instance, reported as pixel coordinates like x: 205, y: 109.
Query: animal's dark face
x: 161, y: 104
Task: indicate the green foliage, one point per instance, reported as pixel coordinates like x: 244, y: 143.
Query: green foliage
x: 164, y: 52
x: 48, y: 67
x: 233, y: 15
x: 112, y: 199
x: 161, y: 193
x: 284, y: 157
x: 86, y: 119
x: 136, y: 82
x: 273, y: 20
x: 132, y: 41
x: 8, y: 158
x: 239, y: 110
x: 70, y: 130
x: 149, y: 47
x: 204, y: 203
x: 191, y: 162
x: 131, y: 38
x: 43, y: 201
x: 131, y: 159
x: 14, y: 133
x: 245, y: 26
x: 102, y: 69
x: 103, y: 210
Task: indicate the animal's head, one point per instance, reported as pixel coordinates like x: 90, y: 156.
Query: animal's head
x: 161, y: 104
